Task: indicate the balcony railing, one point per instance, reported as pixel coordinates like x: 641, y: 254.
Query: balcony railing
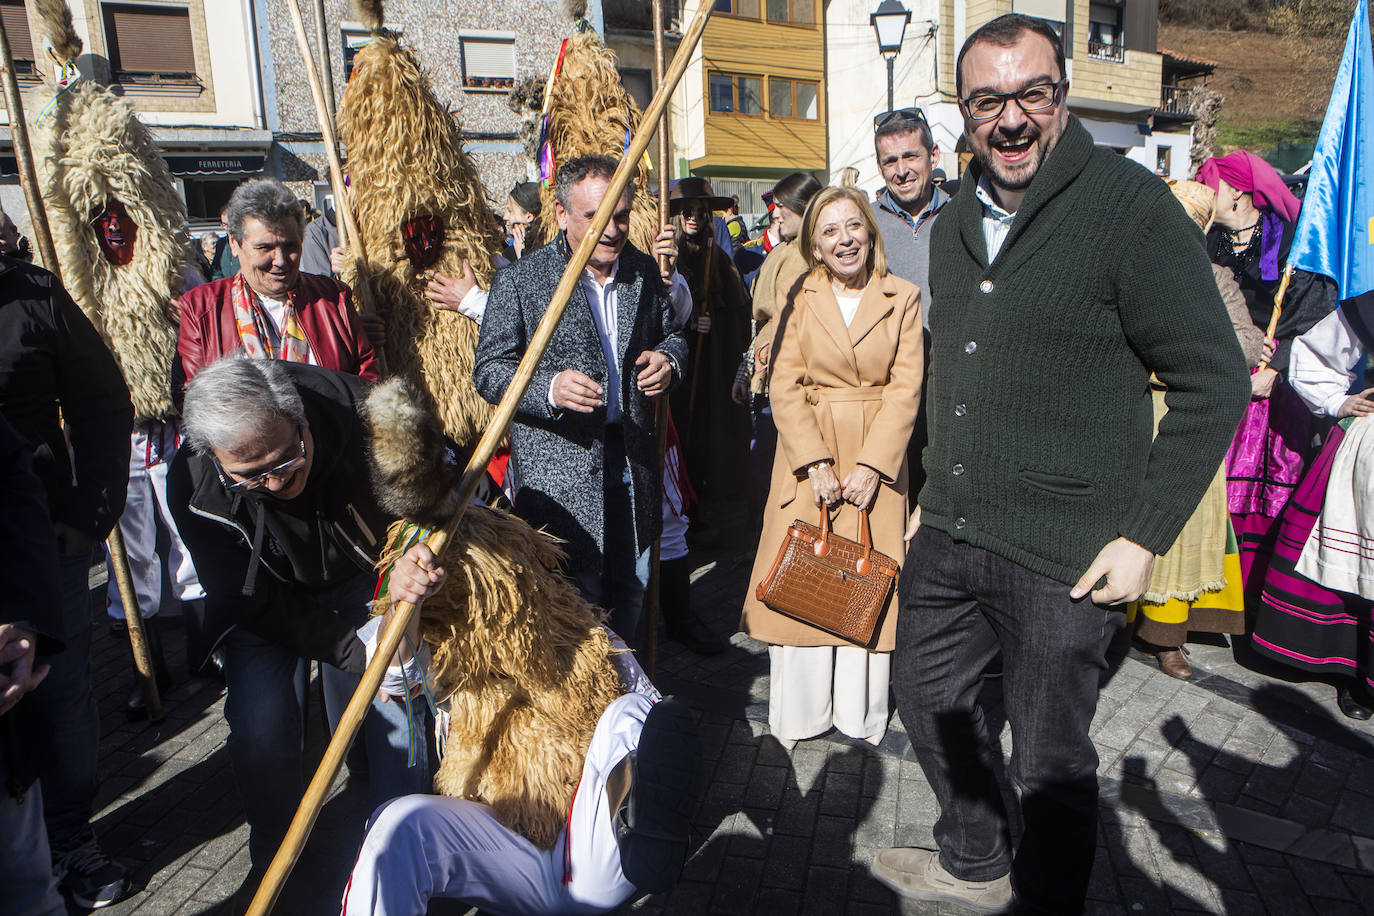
x: 1176, y: 100
x: 1104, y: 50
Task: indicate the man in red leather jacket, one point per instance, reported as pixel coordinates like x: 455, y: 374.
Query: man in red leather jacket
x: 269, y: 308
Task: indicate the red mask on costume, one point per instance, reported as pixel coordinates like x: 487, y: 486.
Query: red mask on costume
x: 423, y: 238
x: 116, y: 230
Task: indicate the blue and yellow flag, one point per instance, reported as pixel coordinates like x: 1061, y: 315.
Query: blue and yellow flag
x: 1335, y: 234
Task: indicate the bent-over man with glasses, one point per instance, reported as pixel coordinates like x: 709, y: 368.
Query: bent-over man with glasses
x: 1067, y: 276
x: 275, y: 501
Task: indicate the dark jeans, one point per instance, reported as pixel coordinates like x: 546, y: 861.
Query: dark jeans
x: 960, y: 605
x: 618, y: 586
x: 264, y: 706
x: 70, y: 722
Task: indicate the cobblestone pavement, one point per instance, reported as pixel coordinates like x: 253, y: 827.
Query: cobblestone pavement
x: 1244, y: 791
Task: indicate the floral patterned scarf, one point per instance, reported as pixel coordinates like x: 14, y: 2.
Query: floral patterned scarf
x: 254, y: 327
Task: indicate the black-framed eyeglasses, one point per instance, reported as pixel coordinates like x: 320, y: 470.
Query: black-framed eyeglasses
x: 283, y: 470
x: 1037, y: 97
x: 885, y: 118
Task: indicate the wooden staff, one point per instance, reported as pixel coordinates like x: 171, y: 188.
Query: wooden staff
x: 652, y: 600
x: 327, y: 78
x: 343, y: 210
x: 42, y: 233
x: 708, y: 263
x: 326, y: 61
x: 1278, y: 309
x: 389, y: 640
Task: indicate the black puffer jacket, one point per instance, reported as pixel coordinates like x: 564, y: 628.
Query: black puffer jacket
x: 51, y: 357
x: 251, y: 550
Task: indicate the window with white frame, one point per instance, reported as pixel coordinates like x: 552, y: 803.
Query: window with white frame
x: 488, y: 60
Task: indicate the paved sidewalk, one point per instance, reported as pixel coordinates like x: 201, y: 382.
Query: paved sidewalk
x: 1240, y: 792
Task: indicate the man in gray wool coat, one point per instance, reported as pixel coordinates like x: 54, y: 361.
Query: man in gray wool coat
x: 584, y: 462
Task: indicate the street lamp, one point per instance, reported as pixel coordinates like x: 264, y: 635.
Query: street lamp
x: 889, y: 23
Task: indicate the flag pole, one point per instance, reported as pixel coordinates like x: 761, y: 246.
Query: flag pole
x: 42, y: 234
x: 389, y: 640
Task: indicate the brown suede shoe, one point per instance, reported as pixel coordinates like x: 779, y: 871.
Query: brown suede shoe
x: 917, y: 873
x: 1173, y: 661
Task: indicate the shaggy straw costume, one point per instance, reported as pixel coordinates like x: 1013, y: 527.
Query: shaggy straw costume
x: 406, y: 160
x: 591, y: 112
x: 89, y: 149
x: 522, y: 661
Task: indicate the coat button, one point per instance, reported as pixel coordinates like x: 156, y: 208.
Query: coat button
x: 960, y: 410
x: 960, y: 522
x: 970, y: 347
x: 986, y: 286
x: 958, y: 470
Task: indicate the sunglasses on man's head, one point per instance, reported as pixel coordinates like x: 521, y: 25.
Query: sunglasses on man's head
x: 885, y: 118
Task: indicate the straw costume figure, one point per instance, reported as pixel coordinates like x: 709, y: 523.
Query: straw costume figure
x: 421, y: 209
x: 119, y: 228
x: 587, y: 110
x: 523, y: 664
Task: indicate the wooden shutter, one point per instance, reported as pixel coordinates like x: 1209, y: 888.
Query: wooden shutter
x: 1142, y: 25
x: 16, y: 22
x: 488, y: 58
x: 149, y: 39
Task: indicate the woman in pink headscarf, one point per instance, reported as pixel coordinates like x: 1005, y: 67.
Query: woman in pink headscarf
x: 1255, y: 219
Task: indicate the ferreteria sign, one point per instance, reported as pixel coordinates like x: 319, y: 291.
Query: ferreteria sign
x: 182, y: 165
x: 214, y: 165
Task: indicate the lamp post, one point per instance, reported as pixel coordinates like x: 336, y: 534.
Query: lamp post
x: 889, y: 23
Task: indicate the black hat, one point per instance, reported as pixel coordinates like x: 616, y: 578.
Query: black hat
x: 526, y: 194
x: 695, y: 189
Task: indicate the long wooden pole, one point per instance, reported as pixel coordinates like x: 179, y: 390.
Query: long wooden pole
x: 390, y: 638
x: 653, y: 603
x: 42, y: 233
x: 349, y: 236
x: 326, y: 61
x: 331, y: 111
x: 1278, y: 310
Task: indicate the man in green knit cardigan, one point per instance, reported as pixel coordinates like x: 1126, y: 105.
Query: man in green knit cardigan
x: 1066, y: 275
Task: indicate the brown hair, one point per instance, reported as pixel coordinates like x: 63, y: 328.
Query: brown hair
x: 877, y: 254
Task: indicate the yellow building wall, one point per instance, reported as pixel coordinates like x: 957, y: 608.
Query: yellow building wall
x: 1134, y: 82
x: 750, y: 47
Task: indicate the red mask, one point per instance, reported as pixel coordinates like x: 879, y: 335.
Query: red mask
x: 423, y: 238
x: 116, y: 230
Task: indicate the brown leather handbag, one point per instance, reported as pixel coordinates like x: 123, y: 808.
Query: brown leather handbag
x: 830, y: 582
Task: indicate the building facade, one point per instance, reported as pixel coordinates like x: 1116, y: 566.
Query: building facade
x: 188, y: 67
x: 1118, y: 82
x: 224, y: 88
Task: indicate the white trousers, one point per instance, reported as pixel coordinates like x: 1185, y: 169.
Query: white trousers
x: 424, y: 846
x: 154, y: 447
x: 811, y: 688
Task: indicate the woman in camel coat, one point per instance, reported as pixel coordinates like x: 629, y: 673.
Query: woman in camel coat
x: 845, y: 385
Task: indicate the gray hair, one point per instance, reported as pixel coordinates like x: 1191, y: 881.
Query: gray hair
x: 579, y: 169
x: 266, y: 200
x: 234, y: 400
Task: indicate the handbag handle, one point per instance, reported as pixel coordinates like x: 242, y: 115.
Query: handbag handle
x: 822, y: 547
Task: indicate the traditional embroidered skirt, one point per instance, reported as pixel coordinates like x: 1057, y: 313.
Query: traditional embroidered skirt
x: 1299, y: 622
x: 1263, y: 469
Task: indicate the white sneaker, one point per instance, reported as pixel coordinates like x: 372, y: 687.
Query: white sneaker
x: 917, y: 873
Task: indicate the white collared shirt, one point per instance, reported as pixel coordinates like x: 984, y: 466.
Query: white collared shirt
x: 604, y: 302
x: 996, y: 221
